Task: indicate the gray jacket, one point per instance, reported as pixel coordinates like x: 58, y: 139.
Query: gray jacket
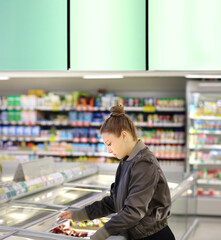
x: 140, y: 196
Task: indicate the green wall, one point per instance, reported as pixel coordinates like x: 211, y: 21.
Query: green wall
x: 33, y: 35
x: 108, y: 35
x: 184, y: 34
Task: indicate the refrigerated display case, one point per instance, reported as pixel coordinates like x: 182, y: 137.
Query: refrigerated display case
x: 181, y: 221
x: 64, y: 195
x: 22, y: 215
x: 22, y: 234
x: 204, y: 142
x: 183, y: 218
x: 11, y: 190
x: 98, y: 180
x: 5, y: 232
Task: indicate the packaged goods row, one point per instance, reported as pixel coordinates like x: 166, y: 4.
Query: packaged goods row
x: 202, y: 139
x: 210, y: 174
x: 206, y: 125
x: 209, y: 106
x: 167, y: 151
x: 203, y: 156
x: 38, y: 99
x: 211, y: 192
x: 161, y: 135
x: 84, y: 135
x: 67, y: 124
x: 82, y: 118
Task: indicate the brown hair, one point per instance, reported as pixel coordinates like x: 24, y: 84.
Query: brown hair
x: 117, y: 122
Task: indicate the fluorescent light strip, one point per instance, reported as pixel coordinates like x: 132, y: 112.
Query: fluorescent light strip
x: 102, y: 76
x: 203, y: 76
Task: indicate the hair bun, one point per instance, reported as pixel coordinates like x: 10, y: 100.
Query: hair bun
x: 117, y: 111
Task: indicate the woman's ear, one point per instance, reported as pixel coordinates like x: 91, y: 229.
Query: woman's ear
x: 124, y: 135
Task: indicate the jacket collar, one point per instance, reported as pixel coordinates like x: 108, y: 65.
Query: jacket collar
x: 137, y: 148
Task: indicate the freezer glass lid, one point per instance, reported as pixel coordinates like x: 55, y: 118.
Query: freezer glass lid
x: 172, y: 185
x: 20, y: 236
x: 65, y: 195
x: 3, y: 232
x: 19, y: 214
x: 98, y: 180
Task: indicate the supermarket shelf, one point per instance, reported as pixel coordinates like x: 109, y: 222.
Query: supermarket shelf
x: 16, y: 108
x: 170, y: 109
x: 208, y: 205
x: 74, y: 154
x: 200, y: 162
x: 86, y: 140
x: 88, y: 124
x: 52, y: 123
x: 56, y: 153
x: 89, y: 154
x: 133, y: 109
x: 17, y: 123
x: 211, y: 132
x: 209, y: 181
x: 93, y: 109
x: 205, y: 117
x: 16, y: 152
x: 171, y: 157
x: 147, y: 124
x: 205, y: 147
x: 26, y: 139
x: 159, y: 141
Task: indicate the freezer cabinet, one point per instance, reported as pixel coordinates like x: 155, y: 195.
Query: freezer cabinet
x: 63, y: 195
x: 98, y: 180
x: 18, y: 234
x: 22, y: 215
x: 82, y: 229
x: 4, y: 231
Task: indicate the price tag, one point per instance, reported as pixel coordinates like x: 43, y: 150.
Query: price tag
x: 52, y: 139
x: 55, y: 108
x: 148, y: 109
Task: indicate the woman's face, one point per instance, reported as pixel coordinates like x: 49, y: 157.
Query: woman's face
x: 115, y: 145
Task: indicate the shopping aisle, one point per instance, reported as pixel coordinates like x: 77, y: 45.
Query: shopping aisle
x: 208, y: 228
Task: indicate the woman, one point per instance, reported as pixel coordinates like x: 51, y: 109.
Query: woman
x: 140, y: 196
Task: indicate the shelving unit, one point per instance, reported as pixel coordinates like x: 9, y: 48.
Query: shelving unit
x: 204, y: 141
x: 59, y: 126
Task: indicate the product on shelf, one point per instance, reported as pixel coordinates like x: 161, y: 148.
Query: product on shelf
x: 67, y: 125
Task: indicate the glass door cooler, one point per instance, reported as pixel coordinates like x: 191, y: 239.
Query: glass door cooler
x: 204, y: 142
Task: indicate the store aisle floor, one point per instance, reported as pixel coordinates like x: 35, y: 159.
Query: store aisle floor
x: 208, y: 228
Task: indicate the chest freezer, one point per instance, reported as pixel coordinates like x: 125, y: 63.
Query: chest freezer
x: 4, y: 231
x: 63, y: 195
x: 82, y: 229
x: 31, y: 235
x: 98, y: 180
x: 23, y: 214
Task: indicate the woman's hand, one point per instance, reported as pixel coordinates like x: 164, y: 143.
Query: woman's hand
x: 65, y: 215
